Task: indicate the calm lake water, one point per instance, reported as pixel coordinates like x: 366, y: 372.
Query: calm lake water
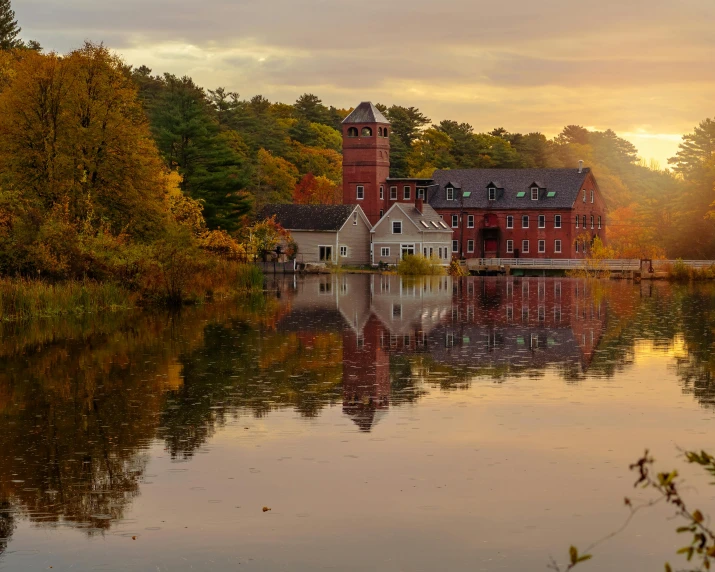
x: 389, y: 425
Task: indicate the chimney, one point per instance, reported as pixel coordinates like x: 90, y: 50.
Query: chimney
x: 419, y: 204
x: 580, y: 166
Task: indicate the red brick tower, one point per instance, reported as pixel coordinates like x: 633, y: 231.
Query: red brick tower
x: 366, y: 159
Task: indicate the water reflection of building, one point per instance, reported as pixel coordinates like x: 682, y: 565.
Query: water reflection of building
x: 467, y: 325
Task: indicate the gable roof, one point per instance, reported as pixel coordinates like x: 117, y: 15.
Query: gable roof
x: 366, y: 112
x: 428, y: 215
x: 566, y: 183
x: 309, y: 217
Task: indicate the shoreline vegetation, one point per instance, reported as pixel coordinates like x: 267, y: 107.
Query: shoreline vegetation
x: 27, y: 298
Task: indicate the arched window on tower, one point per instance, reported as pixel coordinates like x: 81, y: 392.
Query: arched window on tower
x: 379, y: 131
x: 384, y: 132
x: 352, y: 132
x: 366, y: 132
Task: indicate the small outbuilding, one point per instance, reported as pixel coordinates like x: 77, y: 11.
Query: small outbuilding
x: 336, y: 234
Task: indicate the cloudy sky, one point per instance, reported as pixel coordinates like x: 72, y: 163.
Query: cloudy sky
x: 644, y: 68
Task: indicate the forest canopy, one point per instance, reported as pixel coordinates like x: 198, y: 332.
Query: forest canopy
x: 87, y: 139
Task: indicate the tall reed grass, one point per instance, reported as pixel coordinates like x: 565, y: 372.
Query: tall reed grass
x: 21, y: 298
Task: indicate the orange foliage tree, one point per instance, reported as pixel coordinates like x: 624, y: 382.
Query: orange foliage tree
x: 312, y: 190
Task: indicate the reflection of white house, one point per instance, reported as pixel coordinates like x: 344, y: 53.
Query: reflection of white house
x: 338, y: 234
x: 411, y: 229
x: 330, y: 301
x: 406, y: 305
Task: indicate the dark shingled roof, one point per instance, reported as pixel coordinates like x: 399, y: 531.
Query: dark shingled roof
x: 566, y: 183
x: 366, y: 112
x: 308, y: 217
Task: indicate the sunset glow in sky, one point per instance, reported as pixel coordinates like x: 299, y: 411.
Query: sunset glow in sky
x: 644, y: 68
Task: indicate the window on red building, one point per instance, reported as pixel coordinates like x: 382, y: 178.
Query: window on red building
x: 406, y: 193
x: 510, y: 221
x: 557, y: 246
x: 525, y: 246
x: 542, y: 246
x: 557, y: 221
x: 542, y: 221
x: 510, y: 246
x: 470, y: 221
x: 455, y: 221
x: 393, y: 193
x: 525, y: 221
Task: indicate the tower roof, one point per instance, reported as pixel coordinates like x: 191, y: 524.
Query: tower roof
x: 366, y: 112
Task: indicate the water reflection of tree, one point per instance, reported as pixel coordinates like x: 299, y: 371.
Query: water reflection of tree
x: 245, y: 369
x: 7, y: 524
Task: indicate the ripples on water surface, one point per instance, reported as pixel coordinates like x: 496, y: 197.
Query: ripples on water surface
x: 389, y: 425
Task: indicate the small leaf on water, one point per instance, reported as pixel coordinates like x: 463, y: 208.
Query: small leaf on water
x: 266, y: 509
x: 668, y: 568
x: 573, y: 553
x: 698, y: 516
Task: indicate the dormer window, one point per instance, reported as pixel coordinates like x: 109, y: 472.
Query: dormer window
x: 352, y: 132
x: 450, y: 193
x: 534, y: 193
x: 492, y: 193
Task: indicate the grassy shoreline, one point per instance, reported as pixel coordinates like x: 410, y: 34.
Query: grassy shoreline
x: 25, y: 298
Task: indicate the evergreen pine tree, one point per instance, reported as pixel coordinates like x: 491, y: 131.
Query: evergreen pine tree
x: 9, y: 30
x: 211, y: 162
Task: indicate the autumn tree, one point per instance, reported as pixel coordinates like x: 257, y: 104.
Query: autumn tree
x: 275, y: 179
x: 73, y: 136
x: 312, y: 190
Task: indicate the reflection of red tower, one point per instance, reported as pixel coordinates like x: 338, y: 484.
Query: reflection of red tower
x: 366, y: 159
x: 366, y: 374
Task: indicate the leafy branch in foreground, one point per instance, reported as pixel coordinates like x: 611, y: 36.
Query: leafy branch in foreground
x: 701, y: 548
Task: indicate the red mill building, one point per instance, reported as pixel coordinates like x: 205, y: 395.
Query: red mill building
x: 493, y: 213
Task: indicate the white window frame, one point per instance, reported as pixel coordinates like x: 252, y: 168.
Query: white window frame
x: 420, y: 193
x: 393, y: 193
x: 510, y: 221
x: 577, y: 246
x: 382, y: 192
x: 584, y: 195
x: 450, y: 193
x: 382, y: 213
x: 343, y: 251
x: 583, y: 220
x: 557, y: 246
x: 541, y: 247
x: 557, y: 221
x: 384, y: 251
x: 599, y: 222
x: 360, y: 192
x: 593, y: 194
x: 406, y: 193
x: 577, y: 217
x: 470, y: 221
x: 455, y: 246
x: 492, y: 193
x: 541, y: 221
x: 510, y: 246
x: 455, y: 221
x: 534, y: 193
x: 523, y: 244
x: 524, y: 218
x: 592, y: 222
x: 470, y: 246
x: 393, y: 226
x: 407, y: 247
